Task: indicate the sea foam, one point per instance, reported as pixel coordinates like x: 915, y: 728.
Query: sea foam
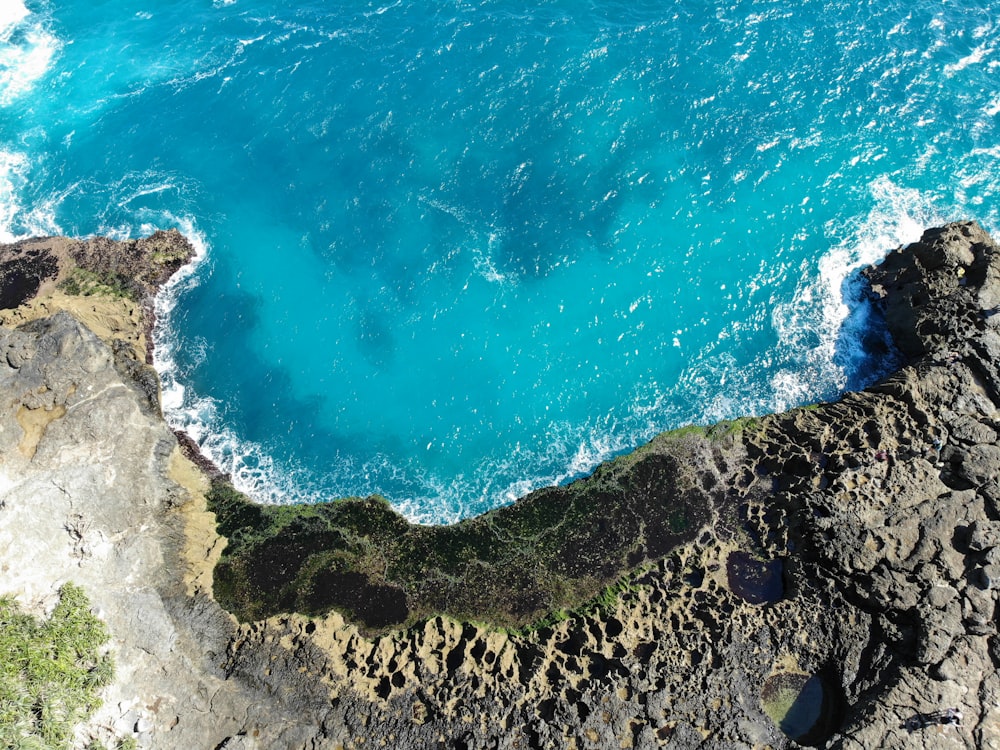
x: 27, y: 49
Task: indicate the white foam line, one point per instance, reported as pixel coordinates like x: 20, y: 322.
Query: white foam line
x: 251, y: 469
x: 164, y: 345
x: 898, y: 217
x: 973, y: 58
x: 813, y: 330
x: 16, y: 223
x: 12, y: 166
x: 12, y: 13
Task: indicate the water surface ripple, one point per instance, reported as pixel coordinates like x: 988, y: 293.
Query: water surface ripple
x: 453, y: 251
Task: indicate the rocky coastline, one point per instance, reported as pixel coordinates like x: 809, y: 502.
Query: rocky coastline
x: 826, y: 577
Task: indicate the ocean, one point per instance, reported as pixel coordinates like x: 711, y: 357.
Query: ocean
x: 453, y: 251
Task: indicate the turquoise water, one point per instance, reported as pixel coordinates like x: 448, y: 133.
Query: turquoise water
x: 454, y: 251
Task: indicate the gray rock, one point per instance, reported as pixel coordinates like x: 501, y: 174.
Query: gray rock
x: 941, y: 596
x: 984, y: 535
x: 96, y: 481
x: 239, y: 742
x: 988, y: 576
x: 891, y: 568
x: 981, y: 464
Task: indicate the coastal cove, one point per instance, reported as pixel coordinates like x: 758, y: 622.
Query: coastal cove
x: 451, y: 253
x: 825, y: 576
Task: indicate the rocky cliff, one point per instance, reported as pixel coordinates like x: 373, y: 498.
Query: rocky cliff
x: 835, y: 588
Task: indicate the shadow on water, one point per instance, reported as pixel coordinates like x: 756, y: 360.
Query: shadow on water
x: 864, y: 348
x: 803, y: 706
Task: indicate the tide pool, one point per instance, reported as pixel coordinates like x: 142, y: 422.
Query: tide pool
x: 451, y: 252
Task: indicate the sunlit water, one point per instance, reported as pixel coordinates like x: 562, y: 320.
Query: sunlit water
x: 454, y: 251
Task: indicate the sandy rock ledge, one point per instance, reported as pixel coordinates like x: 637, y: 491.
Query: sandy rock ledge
x: 849, y: 601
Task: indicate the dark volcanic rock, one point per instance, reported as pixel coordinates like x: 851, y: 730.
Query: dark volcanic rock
x: 140, y: 264
x: 755, y: 581
x: 554, y: 549
x: 22, y: 273
x: 878, y: 514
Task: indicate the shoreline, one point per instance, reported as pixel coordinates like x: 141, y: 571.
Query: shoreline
x: 832, y: 581
x: 250, y: 467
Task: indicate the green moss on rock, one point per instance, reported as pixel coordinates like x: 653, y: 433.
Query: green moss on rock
x: 84, y: 283
x: 552, y: 551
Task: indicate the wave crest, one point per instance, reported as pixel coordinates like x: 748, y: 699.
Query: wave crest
x: 27, y: 49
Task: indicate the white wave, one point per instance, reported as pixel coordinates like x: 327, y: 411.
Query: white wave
x: 27, y: 48
x: 12, y: 13
x: 820, y: 330
x: 148, y: 190
x: 973, y: 58
x: 571, y: 451
x: 482, y: 258
x: 16, y: 222
x: 790, y: 389
x: 194, y: 417
x: 383, y: 9
x: 898, y: 216
x: 183, y: 410
x: 808, y: 331
x: 250, y: 467
x: 12, y: 167
x: 485, y: 266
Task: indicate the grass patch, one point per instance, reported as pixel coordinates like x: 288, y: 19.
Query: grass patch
x: 124, y: 743
x: 50, y: 671
x: 84, y: 283
x: 718, y: 431
x: 163, y: 257
x: 732, y: 427
x: 609, y: 597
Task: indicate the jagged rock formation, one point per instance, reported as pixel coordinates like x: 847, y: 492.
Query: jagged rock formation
x: 848, y: 595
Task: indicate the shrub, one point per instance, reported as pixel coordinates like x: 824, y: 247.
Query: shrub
x: 84, y: 283
x: 50, y: 671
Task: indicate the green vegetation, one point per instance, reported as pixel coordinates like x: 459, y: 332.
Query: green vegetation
x: 50, y: 671
x: 172, y: 256
x: 730, y: 427
x: 603, y: 603
x: 84, y: 283
x: 717, y: 431
x: 124, y: 743
x: 557, y: 551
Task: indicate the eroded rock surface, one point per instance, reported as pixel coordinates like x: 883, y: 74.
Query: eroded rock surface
x: 848, y: 599
x: 85, y: 496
